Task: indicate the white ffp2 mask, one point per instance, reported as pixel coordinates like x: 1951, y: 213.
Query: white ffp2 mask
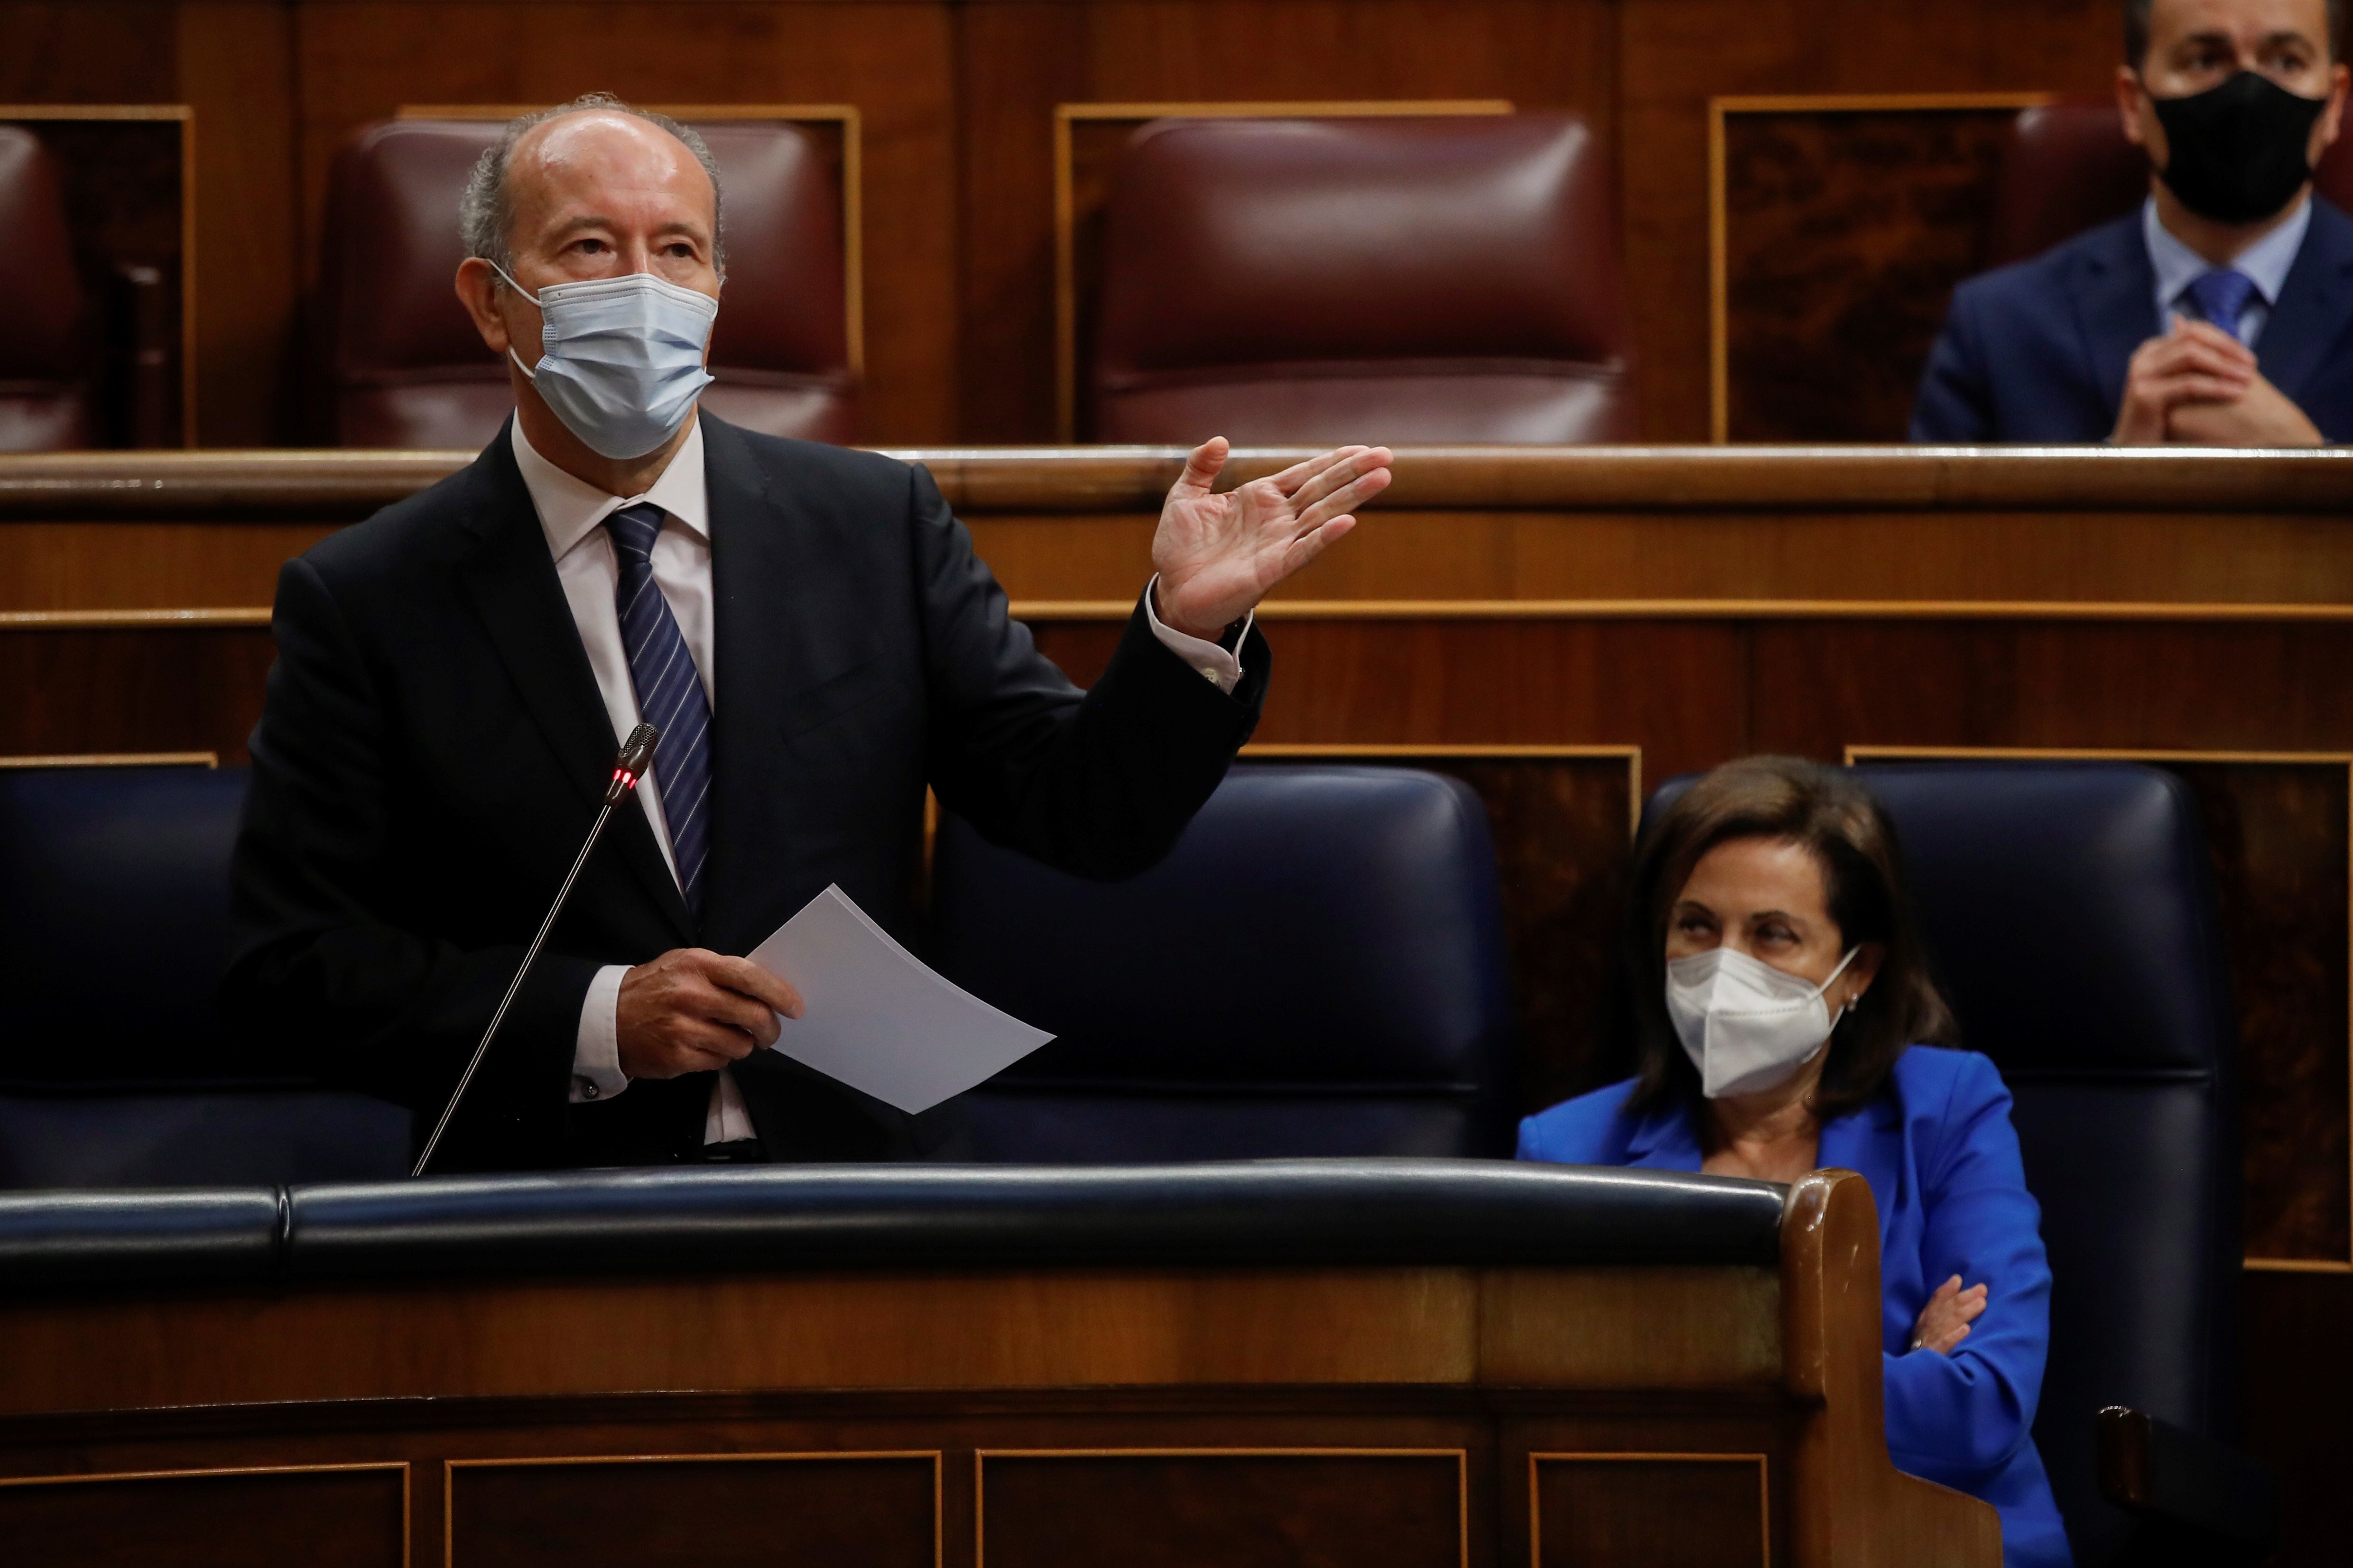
x: 620, y: 358
x: 1746, y: 1026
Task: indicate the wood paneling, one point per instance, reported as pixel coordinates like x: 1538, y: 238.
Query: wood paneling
x: 1612, y: 1510
x: 1843, y: 228
x: 773, y: 1510
x: 1675, y: 54
x: 237, y: 70
x: 2298, y: 1385
x: 958, y: 97
x: 1236, y: 1508
x: 196, y: 689
x: 333, y: 1517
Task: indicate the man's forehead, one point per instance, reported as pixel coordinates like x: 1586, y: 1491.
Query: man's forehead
x: 581, y: 156
x: 2172, y: 20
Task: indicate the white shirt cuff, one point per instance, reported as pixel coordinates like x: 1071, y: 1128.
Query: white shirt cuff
x: 1216, y: 665
x: 597, y: 1051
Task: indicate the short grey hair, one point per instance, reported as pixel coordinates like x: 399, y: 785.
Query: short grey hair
x: 486, y: 212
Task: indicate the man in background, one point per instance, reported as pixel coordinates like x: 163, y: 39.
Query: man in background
x: 2216, y: 314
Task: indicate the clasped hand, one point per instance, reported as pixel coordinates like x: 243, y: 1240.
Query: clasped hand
x: 1219, y: 554
x: 2198, y: 385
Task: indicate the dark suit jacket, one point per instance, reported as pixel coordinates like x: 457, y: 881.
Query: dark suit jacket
x: 433, y: 749
x: 2037, y: 352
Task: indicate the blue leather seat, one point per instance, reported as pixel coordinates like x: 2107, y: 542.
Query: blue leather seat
x: 114, y: 1069
x: 2068, y: 913
x: 1317, y: 969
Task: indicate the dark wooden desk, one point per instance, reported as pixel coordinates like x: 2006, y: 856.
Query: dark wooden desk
x: 1433, y: 1416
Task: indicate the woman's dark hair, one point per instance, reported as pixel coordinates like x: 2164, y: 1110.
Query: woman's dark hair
x: 1851, y: 838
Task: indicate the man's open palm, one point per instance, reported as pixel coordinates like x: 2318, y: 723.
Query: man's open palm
x: 1219, y: 554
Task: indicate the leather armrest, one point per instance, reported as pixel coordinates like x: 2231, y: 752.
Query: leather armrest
x: 2216, y: 1503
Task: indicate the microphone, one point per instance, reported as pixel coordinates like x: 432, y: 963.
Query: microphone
x: 637, y: 756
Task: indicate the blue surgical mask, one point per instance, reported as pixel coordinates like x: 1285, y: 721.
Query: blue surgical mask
x: 621, y: 358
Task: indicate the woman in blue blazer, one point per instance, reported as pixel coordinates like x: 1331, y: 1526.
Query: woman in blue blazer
x: 1780, y: 1011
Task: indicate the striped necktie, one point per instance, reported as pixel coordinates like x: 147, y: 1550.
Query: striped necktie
x: 670, y: 693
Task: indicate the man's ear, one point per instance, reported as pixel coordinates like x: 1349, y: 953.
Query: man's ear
x: 478, y: 286
x: 2332, y: 119
x: 2128, y: 105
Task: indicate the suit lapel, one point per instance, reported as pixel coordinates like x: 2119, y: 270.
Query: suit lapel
x: 774, y: 633
x: 512, y: 581
x: 2115, y: 290
x: 2313, y: 308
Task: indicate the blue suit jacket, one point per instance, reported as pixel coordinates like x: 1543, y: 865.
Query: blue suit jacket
x: 2037, y: 352
x: 1942, y: 1160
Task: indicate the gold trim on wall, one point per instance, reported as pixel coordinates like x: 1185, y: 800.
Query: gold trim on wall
x: 1763, y: 1489
x: 186, y: 115
x: 1869, y: 753
x: 450, y: 1469
x: 981, y: 1456
x: 853, y: 188
x: 1081, y: 610
x: 1719, y: 315
x: 117, y: 760
x: 407, y: 1500
x: 1066, y: 283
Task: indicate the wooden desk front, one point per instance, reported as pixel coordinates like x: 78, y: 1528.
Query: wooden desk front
x: 1439, y: 1417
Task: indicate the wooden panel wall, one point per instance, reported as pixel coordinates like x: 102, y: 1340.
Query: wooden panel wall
x: 958, y: 97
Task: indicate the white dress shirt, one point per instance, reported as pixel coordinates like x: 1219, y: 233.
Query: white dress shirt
x: 2266, y: 263
x: 570, y: 513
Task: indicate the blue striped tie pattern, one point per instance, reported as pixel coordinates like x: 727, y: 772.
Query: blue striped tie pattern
x: 670, y: 693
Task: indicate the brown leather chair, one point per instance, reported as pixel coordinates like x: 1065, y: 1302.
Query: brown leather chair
x: 405, y: 367
x: 48, y: 364
x: 1284, y: 281
x: 2066, y: 167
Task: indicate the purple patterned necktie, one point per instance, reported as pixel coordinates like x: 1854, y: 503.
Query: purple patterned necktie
x: 2221, y: 296
x: 670, y: 693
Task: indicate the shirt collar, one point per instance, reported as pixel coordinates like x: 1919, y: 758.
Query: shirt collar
x: 570, y: 508
x: 2266, y: 261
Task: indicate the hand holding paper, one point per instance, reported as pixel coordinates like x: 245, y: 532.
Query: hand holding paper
x: 876, y: 1018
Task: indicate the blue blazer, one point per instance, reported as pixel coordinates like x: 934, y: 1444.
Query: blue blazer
x: 1942, y: 1160
x: 2037, y: 352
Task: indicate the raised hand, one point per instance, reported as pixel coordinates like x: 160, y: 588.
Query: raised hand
x: 1944, y: 1321
x: 1219, y: 554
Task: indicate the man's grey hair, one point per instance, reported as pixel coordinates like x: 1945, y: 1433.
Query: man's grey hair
x: 486, y: 213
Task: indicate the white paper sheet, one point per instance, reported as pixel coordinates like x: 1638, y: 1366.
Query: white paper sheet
x: 876, y: 1017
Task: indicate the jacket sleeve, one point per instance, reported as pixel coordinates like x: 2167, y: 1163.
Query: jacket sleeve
x: 324, y: 972
x: 1098, y: 784
x: 1955, y: 1417
x: 1955, y: 404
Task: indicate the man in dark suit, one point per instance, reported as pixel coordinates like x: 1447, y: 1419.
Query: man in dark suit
x: 2221, y: 313
x: 809, y: 626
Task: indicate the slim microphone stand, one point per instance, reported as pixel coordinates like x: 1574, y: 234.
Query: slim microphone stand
x: 637, y: 756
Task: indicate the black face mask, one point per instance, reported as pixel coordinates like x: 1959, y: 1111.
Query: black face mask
x: 2237, y: 151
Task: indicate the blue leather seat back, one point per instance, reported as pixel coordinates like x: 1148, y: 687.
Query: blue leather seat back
x: 113, y: 918
x: 113, y: 930
x: 2069, y: 910
x: 1317, y: 968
